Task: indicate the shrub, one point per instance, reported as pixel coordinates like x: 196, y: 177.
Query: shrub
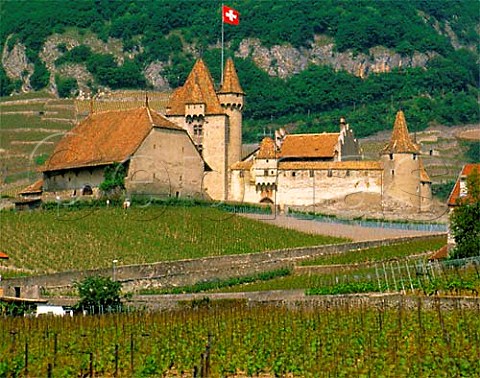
x: 99, y: 294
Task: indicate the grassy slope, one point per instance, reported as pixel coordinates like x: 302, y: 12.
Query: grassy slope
x: 29, y: 129
x: 51, y: 241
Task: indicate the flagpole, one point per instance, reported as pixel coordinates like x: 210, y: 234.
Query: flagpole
x: 221, y: 68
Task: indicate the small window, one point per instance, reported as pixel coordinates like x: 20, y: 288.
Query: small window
x: 329, y: 173
x: 391, y: 156
x: 414, y: 156
x: 294, y: 174
x: 347, y: 173
x: 200, y: 149
x: 392, y: 172
x: 241, y: 174
x: 197, y: 130
x: 265, y: 172
x: 154, y: 146
x: 311, y: 172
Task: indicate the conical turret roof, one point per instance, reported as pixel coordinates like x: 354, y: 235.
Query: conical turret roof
x: 267, y: 149
x: 230, y: 84
x: 400, y: 142
x: 198, y: 88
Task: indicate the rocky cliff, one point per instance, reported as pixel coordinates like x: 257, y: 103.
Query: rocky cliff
x: 279, y: 60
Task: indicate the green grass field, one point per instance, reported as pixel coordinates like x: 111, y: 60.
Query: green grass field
x: 50, y: 241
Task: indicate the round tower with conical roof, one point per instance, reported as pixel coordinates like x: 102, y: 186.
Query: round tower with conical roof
x: 404, y: 175
x: 231, y: 97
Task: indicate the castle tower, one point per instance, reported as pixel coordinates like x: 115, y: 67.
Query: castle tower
x: 405, y: 178
x: 195, y: 107
x: 231, y: 98
x: 266, y: 170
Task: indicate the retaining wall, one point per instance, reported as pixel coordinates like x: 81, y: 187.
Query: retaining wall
x: 189, y: 272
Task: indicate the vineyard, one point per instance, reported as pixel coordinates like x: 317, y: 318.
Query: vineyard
x: 338, y: 338
x: 389, y: 269
x: 90, y: 238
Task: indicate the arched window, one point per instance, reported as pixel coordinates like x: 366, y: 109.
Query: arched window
x: 87, y: 190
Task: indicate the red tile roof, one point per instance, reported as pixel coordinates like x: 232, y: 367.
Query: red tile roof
x: 242, y: 165
x: 400, y: 142
x: 230, y: 84
x: 104, y: 138
x: 440, y: 254
x: 466, y: 171
x: 309, y: 145
x: 334, y: 165
x: 36, y: 187
x: 267, y: 149
x: 198, y: 89
x: 3, y: 256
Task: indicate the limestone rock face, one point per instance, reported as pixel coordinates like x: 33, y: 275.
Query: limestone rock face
x: 153, y: 74
x: 16, y: 64
x: 279, y: 60
x: 284, y: 61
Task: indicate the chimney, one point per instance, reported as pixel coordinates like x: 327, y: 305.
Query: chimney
x: 343, y: 125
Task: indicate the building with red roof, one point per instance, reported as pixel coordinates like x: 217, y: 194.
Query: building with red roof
x: 460, y: 194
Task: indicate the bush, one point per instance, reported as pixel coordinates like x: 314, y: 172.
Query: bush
x: 40, y: 77
x: 464, y: 221
x: 99, y: 294
x: 66, y: 87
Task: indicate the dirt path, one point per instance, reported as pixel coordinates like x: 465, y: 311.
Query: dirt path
x: 356, y: 233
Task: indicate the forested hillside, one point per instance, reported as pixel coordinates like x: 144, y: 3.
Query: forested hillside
x: 427, y: 50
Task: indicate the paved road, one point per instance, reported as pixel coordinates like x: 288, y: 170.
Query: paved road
x: 356, y: 233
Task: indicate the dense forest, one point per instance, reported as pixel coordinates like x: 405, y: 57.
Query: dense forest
x: 445, y: 91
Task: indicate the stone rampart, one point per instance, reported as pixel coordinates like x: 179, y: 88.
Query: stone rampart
x: 188, y: 272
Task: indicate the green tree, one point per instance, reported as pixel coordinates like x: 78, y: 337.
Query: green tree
x: 465, y: 220
x: 6, y: 85
x: 40, y: 76
x: 99, y: 294
x: 66, y: 86
x: 113, y: 179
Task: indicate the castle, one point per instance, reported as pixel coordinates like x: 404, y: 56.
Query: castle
x: 195, y: 149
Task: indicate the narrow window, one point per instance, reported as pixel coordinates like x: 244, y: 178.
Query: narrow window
x: 329, y: 173
x: 200, y: 149
x: 391, y: 156
x: 293, y: 173
x: 414, y: 156
x: 241, y: 174
x: 311, y: 172
x: 265, y: 172
x: 347, y: 173
x: 392, y: 172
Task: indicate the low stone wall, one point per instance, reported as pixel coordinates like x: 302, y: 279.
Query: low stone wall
x: 343, y: 268
x: 189, y: 272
